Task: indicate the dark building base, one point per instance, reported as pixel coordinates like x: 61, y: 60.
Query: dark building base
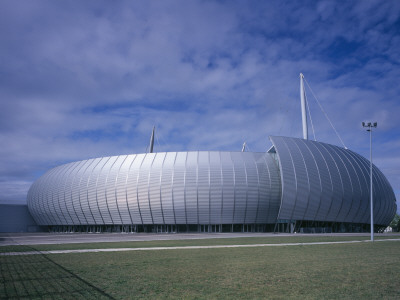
x: 324, y: 227
x: 211, y: 228
x: 280, y: 227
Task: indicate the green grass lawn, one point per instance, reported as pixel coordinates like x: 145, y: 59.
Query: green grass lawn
x: 336, y: 271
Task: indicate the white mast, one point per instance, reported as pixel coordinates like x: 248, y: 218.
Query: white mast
x: 244, y: 147
x: 303, y: 107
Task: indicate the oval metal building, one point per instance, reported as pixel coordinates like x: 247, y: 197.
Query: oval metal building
x: 298, y: 185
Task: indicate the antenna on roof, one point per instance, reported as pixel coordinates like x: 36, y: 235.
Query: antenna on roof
x: 244, y: 147
x: 152, y: 140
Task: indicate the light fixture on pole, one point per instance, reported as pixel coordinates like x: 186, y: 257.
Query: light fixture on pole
x: 369, y: 127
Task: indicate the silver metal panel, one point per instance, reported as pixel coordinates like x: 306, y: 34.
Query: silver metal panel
x: 57, y: 182
x: 33, y: 205
x: 366, y: 168
x: 52, y: 196
x: 203, y: 187
x: 90, y: 191
x: 263, y: 186
x: 71, y: 193
x: 42, y: 200
x: 384, y: 204
x: 171, y: 188
x: 390, y: 200
x: 240, y: 188
x: 381, y: 205
x: 160, y: 188
x: 304, y: 180
x: 32, y: 201
x: 269, y: 189
x: 191, y: 196
x: 252, y: 189
x: 313, y: 181
x: 143, y: 191
x: 81, y: 191
x: 155, y: 189
x: 75, y: 191
x: 178, y: 189
x: 288, y: 179
x: 347, y: 197
x: 320, y: 181
x: 275, y: 190
x: 120, y: 190
x: 102, y: 185
x: 215, y: 191
x: 132, y: 189
x: 363, y: 172
x: 337, y: 183
x: 93, y: 191
x: 41, y: 203
x: 38, y: 203
x: 337, y: 176
x: 167, y: 177
x: 50, y: 212
x: 111, y: 190
x: 391, y: 203
x: 64, y: 195
x: 356, y: 184
x: 228, y: 191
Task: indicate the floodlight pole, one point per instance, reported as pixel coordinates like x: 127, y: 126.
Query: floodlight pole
x: 370, y: 126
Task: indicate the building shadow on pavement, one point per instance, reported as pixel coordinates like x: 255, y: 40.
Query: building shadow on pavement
x: 39, y: 277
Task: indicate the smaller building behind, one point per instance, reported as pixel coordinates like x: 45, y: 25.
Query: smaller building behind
x: 16, y: 218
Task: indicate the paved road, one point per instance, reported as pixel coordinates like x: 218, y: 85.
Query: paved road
x: 186, y: 247
x: 69, y: 238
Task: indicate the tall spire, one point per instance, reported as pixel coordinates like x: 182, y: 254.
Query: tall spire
x: 303, y: 107
x: 152, y: 140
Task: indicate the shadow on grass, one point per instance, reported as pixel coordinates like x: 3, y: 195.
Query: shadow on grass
x: 38, y: 277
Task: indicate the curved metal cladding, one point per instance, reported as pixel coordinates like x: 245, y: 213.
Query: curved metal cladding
x: 322, y: 182
x: 160, y: 188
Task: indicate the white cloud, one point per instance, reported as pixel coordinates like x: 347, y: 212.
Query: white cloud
x: 91, y: 79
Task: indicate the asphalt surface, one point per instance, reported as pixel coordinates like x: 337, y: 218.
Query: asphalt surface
x: 7, y: 239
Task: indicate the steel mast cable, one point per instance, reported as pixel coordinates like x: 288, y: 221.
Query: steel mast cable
x: 158, y: 142
x: 309, y: 113
x: 160, y: 138
x: 326, y: 115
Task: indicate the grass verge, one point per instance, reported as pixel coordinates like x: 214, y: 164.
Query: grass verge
x: 335, y: 271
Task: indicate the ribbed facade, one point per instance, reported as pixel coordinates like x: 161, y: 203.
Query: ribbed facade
x: 322, y: 182
x: 160, y: 188
x: 297, y: 180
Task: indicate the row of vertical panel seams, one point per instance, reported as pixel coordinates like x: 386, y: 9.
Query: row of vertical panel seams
x: 202, y: 187
x: 322, y: 182
x: 297, y: 180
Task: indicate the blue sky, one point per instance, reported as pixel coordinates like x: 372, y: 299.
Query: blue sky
x: 83, y: 79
